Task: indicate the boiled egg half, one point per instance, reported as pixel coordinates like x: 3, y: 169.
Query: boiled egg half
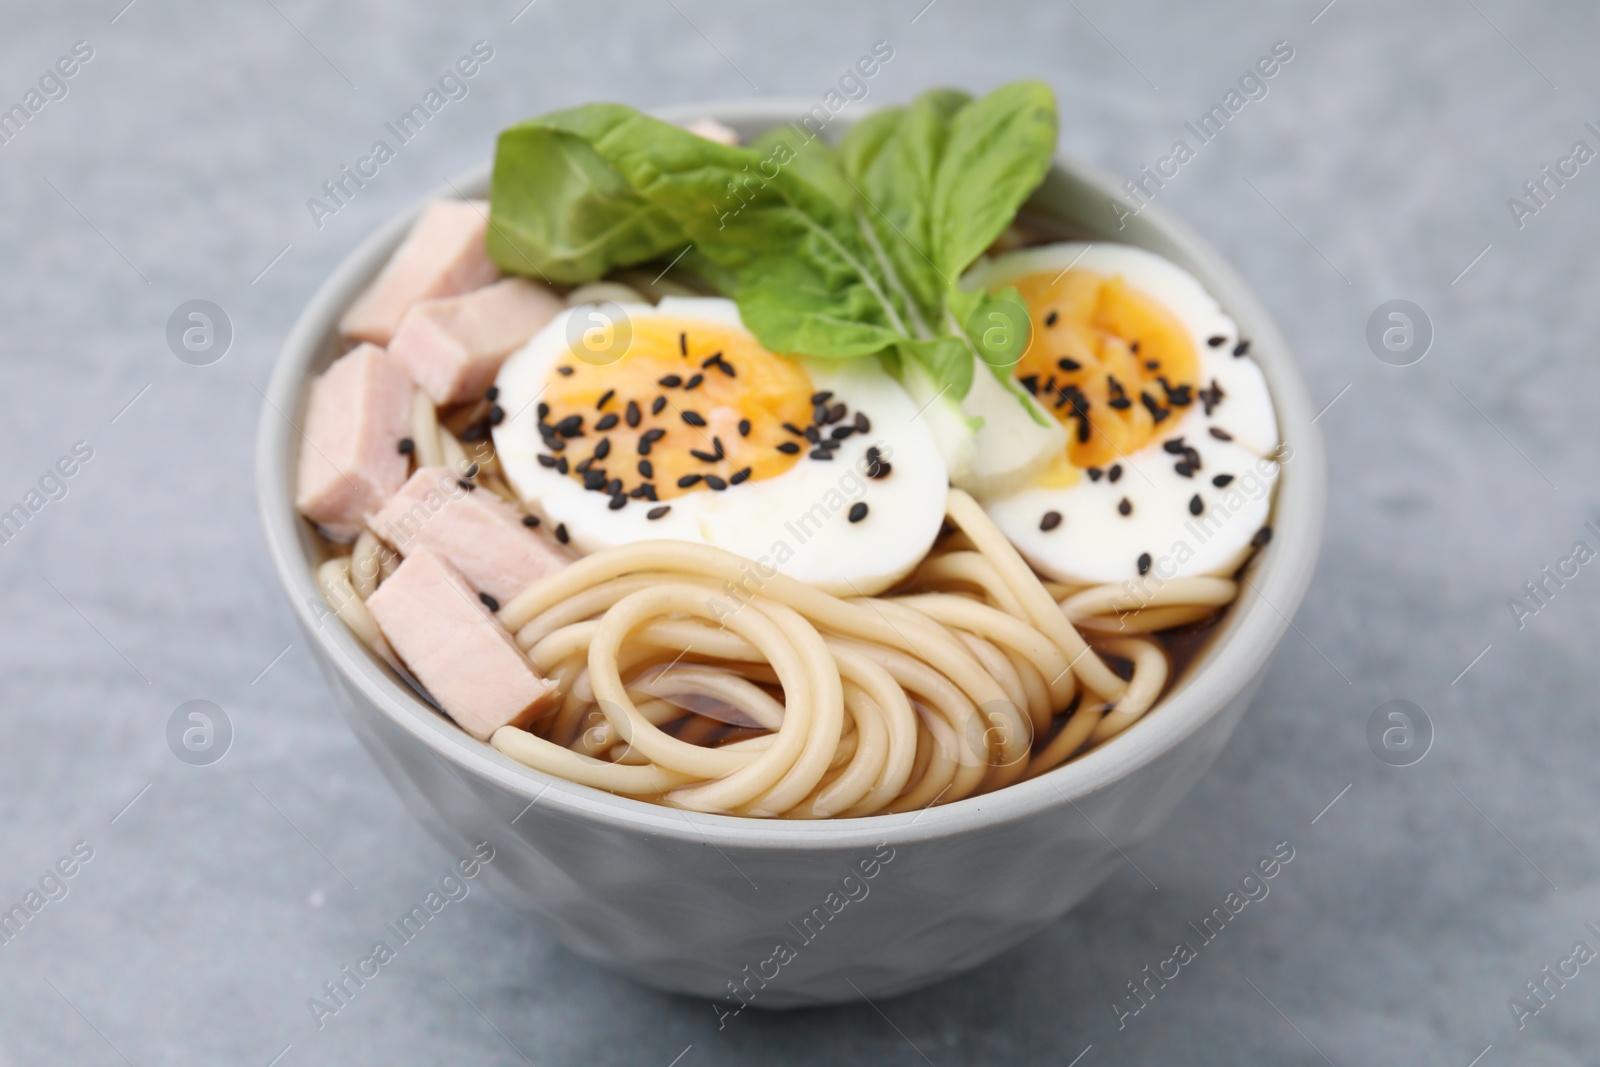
x: 1172, y: 442
x: 630, y: 422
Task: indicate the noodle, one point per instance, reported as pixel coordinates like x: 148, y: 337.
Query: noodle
x: 682, y: 681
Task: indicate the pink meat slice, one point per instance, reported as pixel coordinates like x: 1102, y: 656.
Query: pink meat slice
x: 443, y: 255
x: 458, y: 650
x: 350, y: 460
x: 455, y: 345
x: 481, y: 535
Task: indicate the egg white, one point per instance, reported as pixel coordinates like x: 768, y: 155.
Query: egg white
x: 1094, y: 543
x: 796, y: 522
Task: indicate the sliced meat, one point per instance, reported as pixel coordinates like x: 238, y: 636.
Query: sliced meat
x: 443, y: 255
x: 480, y: 534
x: 444, y: 634
x: 454, y: 345
x: 350, y: 459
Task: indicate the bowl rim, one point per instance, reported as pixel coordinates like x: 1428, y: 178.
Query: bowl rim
x: 1256, y: 622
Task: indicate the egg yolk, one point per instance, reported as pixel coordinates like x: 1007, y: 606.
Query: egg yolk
x: 691, y: 406
x: 1108, y: 360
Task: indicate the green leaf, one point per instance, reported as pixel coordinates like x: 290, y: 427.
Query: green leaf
x: 560, y: 212
x: 996, y: 154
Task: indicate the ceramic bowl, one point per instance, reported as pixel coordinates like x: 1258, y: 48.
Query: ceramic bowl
x: 782, y: 914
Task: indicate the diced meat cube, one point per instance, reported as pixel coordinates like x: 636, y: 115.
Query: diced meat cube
x: 454, y: 345
x: 481, y: 535
x: 456, y: 648
x: 350, y: 460
x: 443, y: 255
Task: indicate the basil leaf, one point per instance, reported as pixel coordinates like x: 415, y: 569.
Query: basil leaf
x: 558, y: 210
x: 996, y: 154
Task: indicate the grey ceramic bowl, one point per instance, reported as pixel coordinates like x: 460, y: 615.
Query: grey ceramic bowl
x: 784, y: 914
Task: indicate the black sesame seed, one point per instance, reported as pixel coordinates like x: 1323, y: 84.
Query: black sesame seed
x: 571, y: 426
x: 1125, y: 506
x: 605, y: 398
x: 657, y: 404
x: 1183, y: 467
x: 554, y: 443
x: 858, y: 511
x: 744, y: 427
x: 715, y: 483
x: 1144, y: 563
x: 584, y: 465
x: 468, y: 486
x: 1133, y: 346
x: 471, y: 471
x: 1030, y: 382
x: 1120, y: 403
x: 561, y: 464
x: 1241, y: 348
x: 711, y: 360
x: 493, y: 394
x: 822, y: 397
x: 1196, y: 505
x: 614, y: 487
x: 656, y: 513
x: 478, y: 431
x: 546, y: 460
x: 716, y: 446
x: 671, y: 381
x: 594, y: 480
x: 878, y: 468
x: 632, y: 415
x: 694, y: 418
x: 1152, y: 364
x: 618, y: 502
x: 1050, y: 319
x: 561, y: 532
x: 603, y: 449
x: 1115, y: 473
x: 497, y: 415
x: 862, y: 423
x: 1174, y: 446
x: 1094, y: 473
x: 819, y: 414
x: 820, y: 453
x: 837, y: 412
x: 839, y: 433
x: 788, y: 448
x: 647, y: 469
x: 792, y: 428
x: 1221, y: 434
x: 693, y: 382
x: 407, y: 446
x: 739, y: 476
x: 653, y: 434
x: 1050, y: 521
x: 703, y: 456
x: 688, y: 479
x: 544, y: 410
x: 1222, y: 480
x: 1262, y: 536
x: 489, y: 602
x: 683, y: 344
x: 1069, y: 364
x: 565, y: 372
x: 1216, y: 342
x: 606, y: 422
x: 530, y: 521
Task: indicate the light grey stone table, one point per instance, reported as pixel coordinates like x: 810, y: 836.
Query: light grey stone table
x: 1377, y: 167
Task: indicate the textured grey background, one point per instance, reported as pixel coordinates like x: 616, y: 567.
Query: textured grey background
x: 1378, y: 167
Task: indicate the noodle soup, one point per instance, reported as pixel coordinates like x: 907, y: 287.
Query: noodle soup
x: 785, y: 512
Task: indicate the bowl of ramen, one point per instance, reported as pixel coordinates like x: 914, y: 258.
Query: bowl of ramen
x: 808, y: 548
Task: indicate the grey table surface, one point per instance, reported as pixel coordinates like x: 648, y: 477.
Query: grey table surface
x: 1377, y: 167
